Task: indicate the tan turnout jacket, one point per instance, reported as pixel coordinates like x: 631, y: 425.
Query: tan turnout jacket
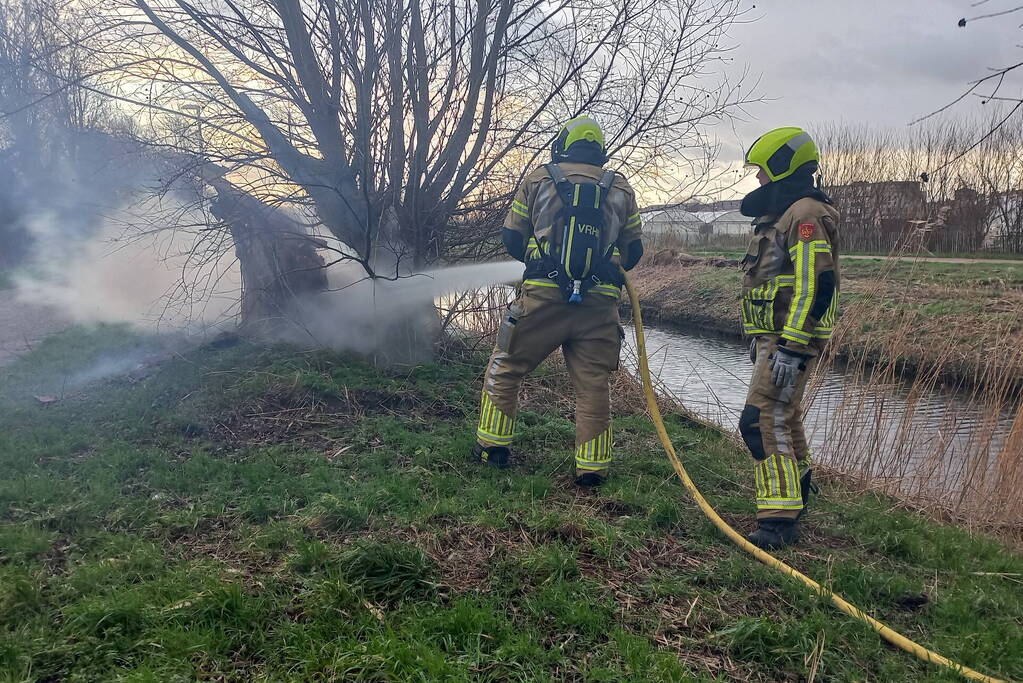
x: 783, y: 262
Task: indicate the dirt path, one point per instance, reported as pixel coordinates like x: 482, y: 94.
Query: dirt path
x: 23, y: 325
x: 935, y: 259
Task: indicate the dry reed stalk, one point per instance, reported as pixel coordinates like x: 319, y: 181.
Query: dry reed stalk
x: 964, y: 459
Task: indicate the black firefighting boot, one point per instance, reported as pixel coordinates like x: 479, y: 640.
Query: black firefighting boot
x: 495, y: 456
x: 772, y: 534
x: 589, y: 480
x: 806, y: 487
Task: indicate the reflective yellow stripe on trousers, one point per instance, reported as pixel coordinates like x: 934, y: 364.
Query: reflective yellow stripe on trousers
x: 777, y: 481
x: 595, y: 454
x: 495, y: 428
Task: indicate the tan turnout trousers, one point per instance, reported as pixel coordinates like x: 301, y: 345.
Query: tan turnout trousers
x: 772, y: 426
x: 590, y: 336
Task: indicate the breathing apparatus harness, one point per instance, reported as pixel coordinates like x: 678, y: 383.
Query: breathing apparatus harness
x: 581, y: 260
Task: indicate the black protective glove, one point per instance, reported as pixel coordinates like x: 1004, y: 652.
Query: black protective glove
x: 786, y: 366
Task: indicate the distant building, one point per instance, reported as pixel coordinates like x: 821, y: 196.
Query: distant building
x: 674, y: 223
x: 878, y: 216
x: 885, y: 206
x: 717, y: 206
x: 732, y: 223
x: 700, y: 227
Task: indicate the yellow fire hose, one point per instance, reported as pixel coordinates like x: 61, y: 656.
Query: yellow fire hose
x: 888, y: 634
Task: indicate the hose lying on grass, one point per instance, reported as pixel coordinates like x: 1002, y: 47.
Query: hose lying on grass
x: 888, y: 634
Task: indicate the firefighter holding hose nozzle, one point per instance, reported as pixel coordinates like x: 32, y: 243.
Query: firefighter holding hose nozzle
x: 572, y: 223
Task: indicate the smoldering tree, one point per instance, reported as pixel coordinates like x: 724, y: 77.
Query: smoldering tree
x: 401, y: 124
x: 75, y: 170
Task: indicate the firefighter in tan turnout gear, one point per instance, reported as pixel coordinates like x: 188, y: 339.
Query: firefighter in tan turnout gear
x: 789, y: 304
x: 572, y: 223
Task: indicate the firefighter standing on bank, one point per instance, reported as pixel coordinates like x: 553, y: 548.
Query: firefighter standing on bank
x: 572, y: 223
x: 789, y: 304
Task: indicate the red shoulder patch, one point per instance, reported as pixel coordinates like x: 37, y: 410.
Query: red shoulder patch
x: 806, y: 230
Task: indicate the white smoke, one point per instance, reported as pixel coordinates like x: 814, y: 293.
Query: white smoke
x: 137, y: 269
x: 363, y: 314
x: 132, y: 268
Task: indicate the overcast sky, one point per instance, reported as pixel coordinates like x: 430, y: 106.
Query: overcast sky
x: 874, y: 61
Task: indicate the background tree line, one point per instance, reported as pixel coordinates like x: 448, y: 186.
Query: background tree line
x: 944, y: 185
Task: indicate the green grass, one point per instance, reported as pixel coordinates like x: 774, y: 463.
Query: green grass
x: 265, y: 513
x: 937, y: 273
x: 737, y: 252
x: 1008, y: 274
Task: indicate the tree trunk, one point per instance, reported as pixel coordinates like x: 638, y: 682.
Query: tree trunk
x: 278, y: 260
x: 284, y: 288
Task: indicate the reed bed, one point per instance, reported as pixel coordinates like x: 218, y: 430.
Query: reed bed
x: 964, y: 459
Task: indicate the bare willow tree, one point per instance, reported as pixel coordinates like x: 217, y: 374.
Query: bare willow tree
x: 395, y: 120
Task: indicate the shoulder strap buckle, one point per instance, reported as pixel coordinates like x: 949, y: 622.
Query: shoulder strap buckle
x: 557, y: 175
x: 562, y: 184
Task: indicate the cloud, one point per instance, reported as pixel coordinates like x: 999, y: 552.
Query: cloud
x: 862, y: 62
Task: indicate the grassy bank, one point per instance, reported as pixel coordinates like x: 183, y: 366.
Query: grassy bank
x: 959, y: 318
x: 252, y: 512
